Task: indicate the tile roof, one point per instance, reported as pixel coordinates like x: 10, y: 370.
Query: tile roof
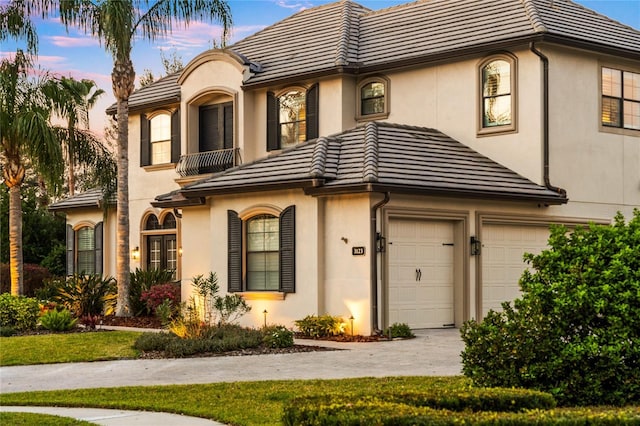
x: 347, y: 36
x: 163, y: 91
x: 379, y: 157
x: 92, y: 198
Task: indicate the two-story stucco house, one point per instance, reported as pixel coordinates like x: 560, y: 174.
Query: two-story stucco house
x: 392, y: 165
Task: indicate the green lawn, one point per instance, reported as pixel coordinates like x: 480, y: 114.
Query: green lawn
x: 29, y: 419
x: 241, y: 403
x: 71, y: 347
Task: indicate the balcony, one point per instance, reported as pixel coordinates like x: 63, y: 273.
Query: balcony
x: 208, y: 162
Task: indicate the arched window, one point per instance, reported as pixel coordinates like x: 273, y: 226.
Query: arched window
x: 373, y: 98
x: 498, y: 94
x: 84, y: 249
x: 292, y: 117
x: 161, y: 243
x: 160, y: 139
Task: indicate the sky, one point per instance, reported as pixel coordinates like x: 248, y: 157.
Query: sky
x: 72, y: 53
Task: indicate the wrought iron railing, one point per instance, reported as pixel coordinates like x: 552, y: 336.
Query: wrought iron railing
x: 208, y: 162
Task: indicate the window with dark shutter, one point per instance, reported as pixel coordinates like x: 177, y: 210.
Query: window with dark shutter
x: 145, y: 146
x: 287, y: 250
x: 312, y: 112
x: 71, y: 239
x: 234, y: 252
x: 273, y: 142
x: 98, y: 246
x: 175, y: 136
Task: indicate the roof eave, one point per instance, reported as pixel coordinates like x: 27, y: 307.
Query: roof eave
x: 186, y: 202
x: 252, y: 187
x: 113, y: 109
x: 443, y: 192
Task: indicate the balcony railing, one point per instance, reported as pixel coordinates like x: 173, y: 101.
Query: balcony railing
x: 208, y: 162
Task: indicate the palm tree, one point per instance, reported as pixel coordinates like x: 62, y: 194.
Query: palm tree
x: 27, y: 136
x: 15, y: 23
x: 117, y: 24
x: 72, y: 99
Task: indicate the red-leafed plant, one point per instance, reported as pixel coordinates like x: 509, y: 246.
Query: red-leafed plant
x: 157, y: 294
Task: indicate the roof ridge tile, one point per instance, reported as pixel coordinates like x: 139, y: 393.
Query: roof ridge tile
x: 342, y: 47
x: 370, y: 156
x: 534, y: 17
x: 319, y: 157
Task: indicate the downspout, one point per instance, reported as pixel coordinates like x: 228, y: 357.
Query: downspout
x: 374, y: 263
x: 545, y: 123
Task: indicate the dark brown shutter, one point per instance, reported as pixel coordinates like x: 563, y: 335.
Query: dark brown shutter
x: 97, y: 233
x: 288, y: 250
x: 228, y: 126
x: 208, y: 129
x: 71, y: 239
x: 312, y: 112
x: 175, y: 136
x: 145, y: 146
x: 272, y: 122
x: 234, y: 252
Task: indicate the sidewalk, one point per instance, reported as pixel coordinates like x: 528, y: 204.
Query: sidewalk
x: 432, y: 353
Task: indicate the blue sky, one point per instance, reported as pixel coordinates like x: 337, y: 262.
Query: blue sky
x: 76, y: 54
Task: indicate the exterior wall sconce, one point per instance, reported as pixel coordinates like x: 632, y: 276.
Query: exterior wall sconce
x: 351, y: 318
x: 180, y: 252
x: 265, y: 317
x: 475, y: 246
x: 381, y: 242
x: 135, y: 253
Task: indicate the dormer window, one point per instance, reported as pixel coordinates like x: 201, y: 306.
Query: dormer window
x: 497, y: 97
x: 373, y: 98
x: 292, y: 117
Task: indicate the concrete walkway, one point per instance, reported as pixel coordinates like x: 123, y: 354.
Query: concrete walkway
x: 431, y: 353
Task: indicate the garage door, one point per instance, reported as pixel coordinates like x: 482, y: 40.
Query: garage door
x: 421, y: 273
x: 502, y: 249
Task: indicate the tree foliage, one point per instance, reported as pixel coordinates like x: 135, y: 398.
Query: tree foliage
x: 575, y: 332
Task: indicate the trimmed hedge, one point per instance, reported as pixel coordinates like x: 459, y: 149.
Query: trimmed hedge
x: 376, y: 411
x: 18, y: 312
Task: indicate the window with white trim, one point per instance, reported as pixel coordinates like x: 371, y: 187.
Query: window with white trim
x: 620, y: 98
x: 160, y: 139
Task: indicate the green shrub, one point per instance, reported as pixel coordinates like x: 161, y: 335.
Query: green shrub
x: 277, y: 336
x: 166, y: 311
x: 575, y: 332
x: 212, y: 340
x: 18, y: 312
x: 141, y: 281
x: 377, y: 411
x: 313, y: 326
x: 399, y: 330
x: 218, y: 310
x: 56, y: 320
x: 87, y: 295
x: 7, y: 331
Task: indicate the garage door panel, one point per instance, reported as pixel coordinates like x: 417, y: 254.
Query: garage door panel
x: 503, y: 247
x: 421, y: 299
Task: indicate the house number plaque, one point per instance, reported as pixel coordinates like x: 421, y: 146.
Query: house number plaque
x: 357, y: 251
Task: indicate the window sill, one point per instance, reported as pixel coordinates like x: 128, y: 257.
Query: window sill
x: 619, y: 131
x: 155, y: 167
x: 371, y: 117
x: 262, y: 295
x: 496, y: 131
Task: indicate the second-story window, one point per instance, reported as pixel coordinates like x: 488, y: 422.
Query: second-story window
x: 498, y: 97
x: 292, y: 117
x: 373, y: 98
x: 160, y: 139
x: 620, y: 98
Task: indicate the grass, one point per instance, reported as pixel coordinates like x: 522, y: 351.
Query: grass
x: 241, y: 403
x: 71, y: 347
x: 24, y: 419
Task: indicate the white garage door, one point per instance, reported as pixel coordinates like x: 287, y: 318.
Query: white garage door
x: 502, y: 265
x: 421, y: 273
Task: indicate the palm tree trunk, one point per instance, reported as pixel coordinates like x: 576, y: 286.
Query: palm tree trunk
x: 15, y: 240
x: 123, y: 76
